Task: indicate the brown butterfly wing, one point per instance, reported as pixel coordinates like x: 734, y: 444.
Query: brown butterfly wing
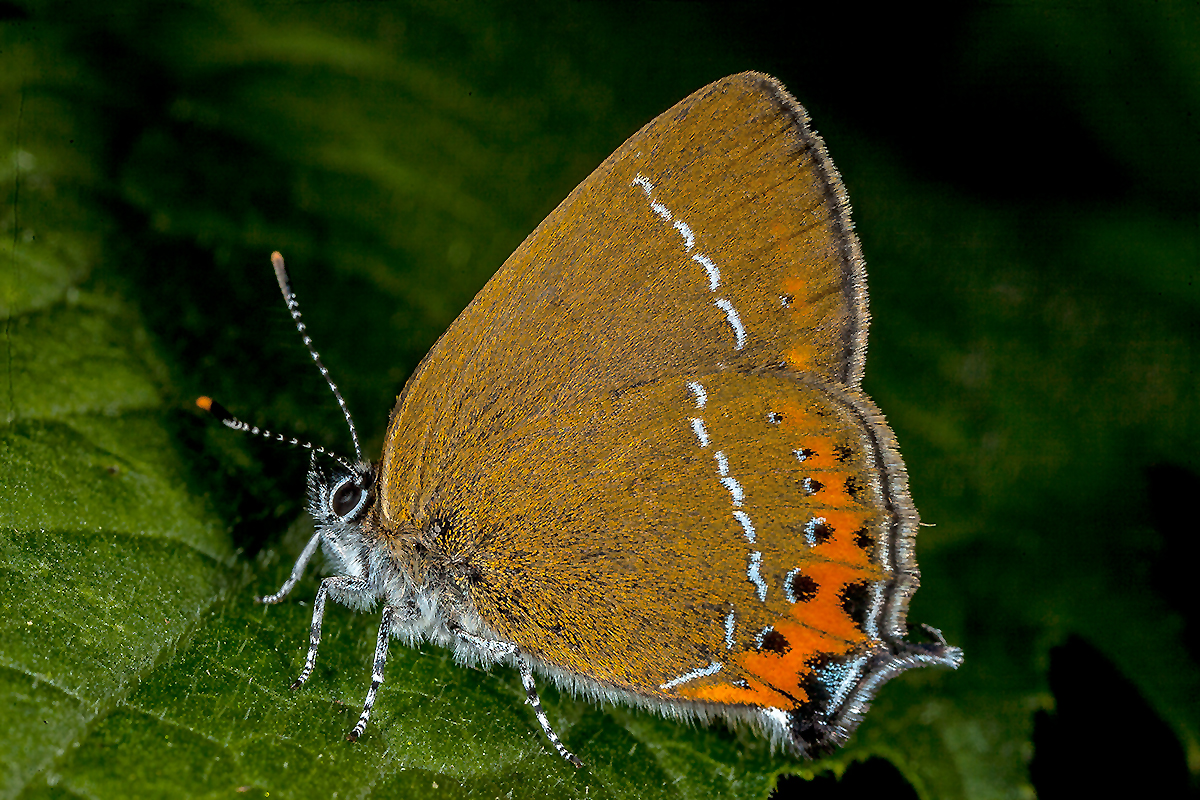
x: 605, y: 293
x: 663, y: 536
x: 692, y: 318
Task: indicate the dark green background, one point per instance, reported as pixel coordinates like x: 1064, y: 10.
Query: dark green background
x: 1025, y: 180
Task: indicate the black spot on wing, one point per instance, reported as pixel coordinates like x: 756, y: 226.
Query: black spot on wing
x: 775, y: 642
x: 856, y: 602
x: 802, y: 587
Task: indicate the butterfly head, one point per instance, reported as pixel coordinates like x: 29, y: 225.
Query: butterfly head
x: 340, y: 498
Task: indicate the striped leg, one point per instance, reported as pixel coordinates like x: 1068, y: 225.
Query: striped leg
x: 531, y: 697
x: 340, y: 586
x: 499, y: 650
x: 496, y: 649
x: 381, y: 651
x: 297, y: 572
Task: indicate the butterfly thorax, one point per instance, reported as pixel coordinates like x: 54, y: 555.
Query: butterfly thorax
x: 419, y: 567
x: 424, y: 559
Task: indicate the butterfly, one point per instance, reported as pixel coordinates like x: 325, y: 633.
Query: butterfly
x: 640, y: 463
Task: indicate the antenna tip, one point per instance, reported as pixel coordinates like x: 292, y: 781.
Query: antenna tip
x: 281, y: 274
x: 204, y: 402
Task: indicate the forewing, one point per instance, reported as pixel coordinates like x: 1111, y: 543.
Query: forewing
x: 718, y: 236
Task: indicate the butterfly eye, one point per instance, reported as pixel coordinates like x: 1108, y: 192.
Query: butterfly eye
x: 347, y: 498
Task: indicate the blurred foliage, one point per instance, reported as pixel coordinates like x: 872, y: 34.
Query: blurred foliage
x: 1025, y: 181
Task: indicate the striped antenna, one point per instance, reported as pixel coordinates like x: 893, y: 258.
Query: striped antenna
x: 230, y: 421
x: 294, y: 308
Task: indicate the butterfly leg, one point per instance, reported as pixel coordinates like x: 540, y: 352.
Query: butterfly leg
x: 496, y: 649
x: 391, y: 615
x: 531, y: 697
x: 341, y: 587
x: 501, y: 649
x: 297, y: 573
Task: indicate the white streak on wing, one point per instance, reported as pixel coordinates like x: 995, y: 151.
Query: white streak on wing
x: 787, y: 585
x: 734, y: 320
x: 711, y: 669
x: 688, y: 238
x: 800, y: 455
x: 722, y: 463
x: 701, y: 433
x: 714, y: 274
x: 646, y: 185
x: 810, y: 530
x: 661, y: 210
x: 735, y: 489
x: 747, y: 526
x: 730, y: 621
x: 752, y: 572
x: 701, y: 395
x: 762, y: 636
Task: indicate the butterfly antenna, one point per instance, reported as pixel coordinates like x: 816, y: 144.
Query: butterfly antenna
x: 294, y: 308
x: 230, y: 421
